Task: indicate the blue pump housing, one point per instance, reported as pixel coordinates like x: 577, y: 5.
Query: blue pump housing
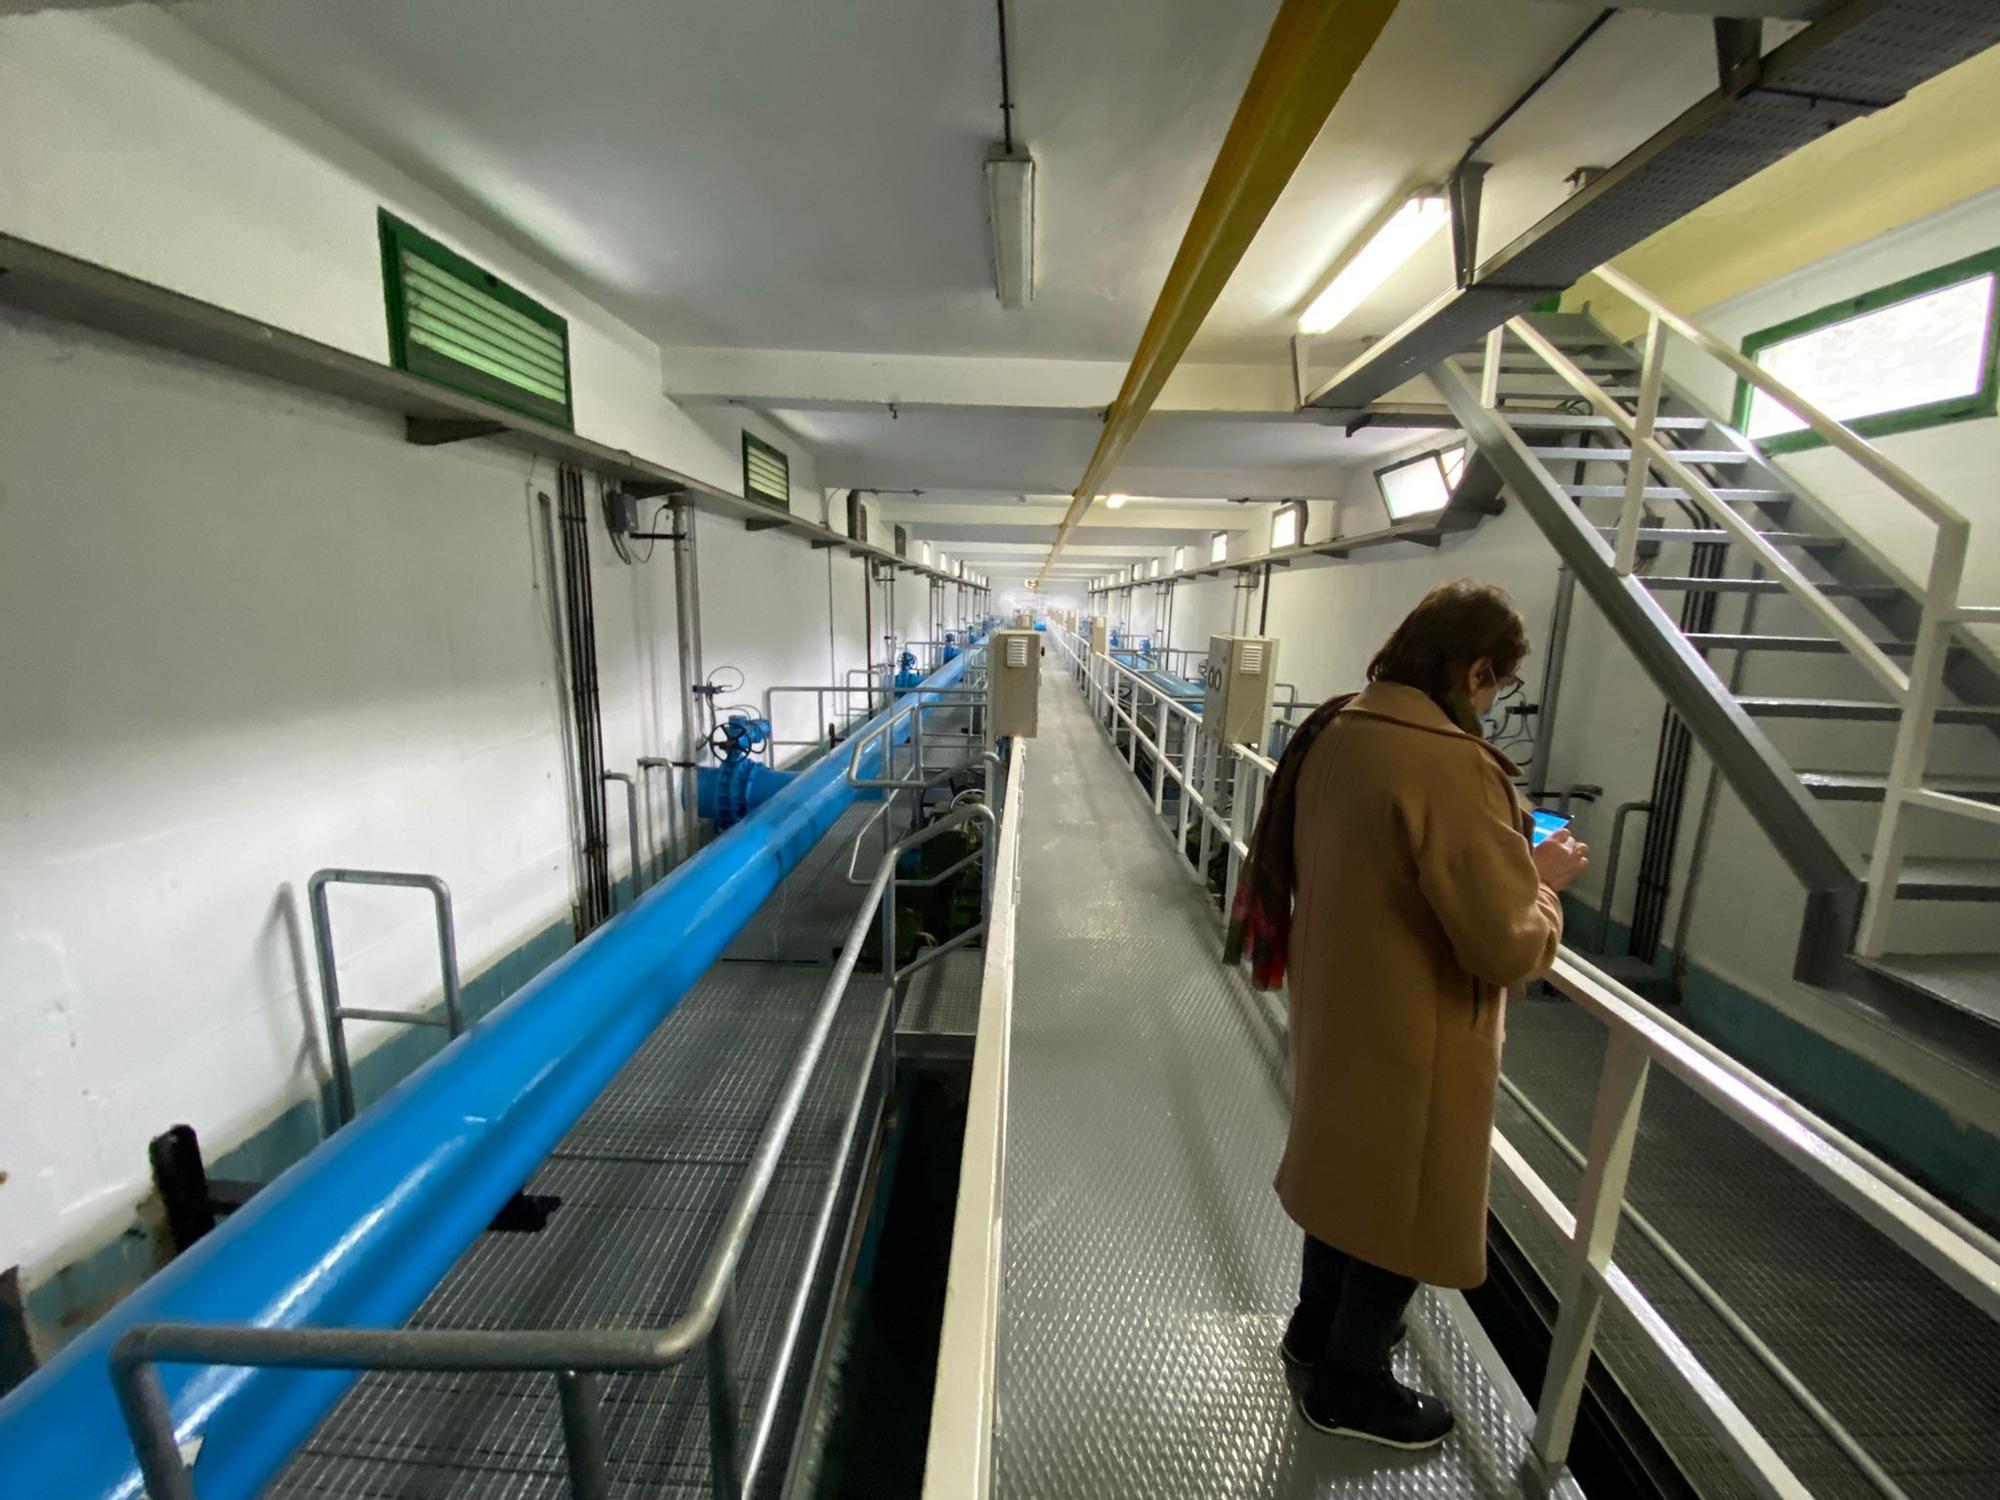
x: 907, y: 675
x: 359, y: 1231
x: 950, y: 652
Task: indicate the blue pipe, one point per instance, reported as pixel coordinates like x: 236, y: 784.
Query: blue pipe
x: 358, y: 1232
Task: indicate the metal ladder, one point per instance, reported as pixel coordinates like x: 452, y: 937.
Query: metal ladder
x: 1703, y: 513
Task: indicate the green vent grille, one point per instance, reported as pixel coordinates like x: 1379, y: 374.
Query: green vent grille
x: 767, y: 473
x: 462, y: 327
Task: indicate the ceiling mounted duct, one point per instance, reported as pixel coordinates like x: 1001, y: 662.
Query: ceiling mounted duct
x: 1010, y: 209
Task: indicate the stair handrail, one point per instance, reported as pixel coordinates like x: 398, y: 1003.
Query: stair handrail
x: 1835, y: 433
x: 1916, y: 692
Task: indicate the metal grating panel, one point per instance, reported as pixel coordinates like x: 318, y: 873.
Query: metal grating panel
x: 1892, y: 1351
x: 1149, y: 1269
x: 940, y: 1011
x: 645, y: 1178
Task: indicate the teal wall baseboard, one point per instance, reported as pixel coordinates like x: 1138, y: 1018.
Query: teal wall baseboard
x: 1957, y: 1161
x: 84, y: 1290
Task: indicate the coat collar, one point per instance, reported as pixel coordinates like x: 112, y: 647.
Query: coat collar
x: 1400, y: 704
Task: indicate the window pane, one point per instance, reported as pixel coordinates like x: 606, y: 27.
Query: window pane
x: 1218, y: 546
x: 1180, y: 559
x: 1453, y: 460
x: 1414, y: 489
x: 1928, y: 348
x: 1285, y: 527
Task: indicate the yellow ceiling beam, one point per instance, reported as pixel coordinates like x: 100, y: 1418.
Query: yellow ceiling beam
x: 1313, y: 52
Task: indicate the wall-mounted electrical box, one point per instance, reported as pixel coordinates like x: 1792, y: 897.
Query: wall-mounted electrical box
x: 1100, y: 635
x: 1024, y: 620
x: 1013, y: 683
x: 1237, y: 681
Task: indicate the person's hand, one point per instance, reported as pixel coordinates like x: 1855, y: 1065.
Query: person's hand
x: 1559, y: 859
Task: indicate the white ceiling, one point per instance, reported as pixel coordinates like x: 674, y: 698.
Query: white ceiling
x: 781, y: 176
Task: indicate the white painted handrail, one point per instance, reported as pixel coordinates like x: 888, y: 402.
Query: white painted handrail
x: 1834, y: 433
x: 1915, y: 692
x: 959, y: 1463
x: 1640, y: 1035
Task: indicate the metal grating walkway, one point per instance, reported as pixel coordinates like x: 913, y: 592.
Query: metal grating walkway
x: 1889, y: 1349
x: 1148, y: 1267
x: 646, y: 1177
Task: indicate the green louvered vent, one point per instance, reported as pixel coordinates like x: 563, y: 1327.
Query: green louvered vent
x: 463, y: 327
x: 767, y: 473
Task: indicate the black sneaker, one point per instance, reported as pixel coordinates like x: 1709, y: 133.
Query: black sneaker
x: 1376, y: 1409
x: 1288, y: 1347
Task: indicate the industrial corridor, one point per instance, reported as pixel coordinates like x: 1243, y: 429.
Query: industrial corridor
x: 676, y: 674
x: 1148, y: 1268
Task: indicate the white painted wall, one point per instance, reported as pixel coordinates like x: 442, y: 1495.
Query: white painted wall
x: 250, y: 631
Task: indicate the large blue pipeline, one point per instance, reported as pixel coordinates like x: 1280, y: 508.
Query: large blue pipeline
x: 358, y: 1232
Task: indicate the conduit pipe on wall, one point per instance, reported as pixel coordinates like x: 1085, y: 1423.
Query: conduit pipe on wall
x: 357, y: 1233
x: 1314, y: 49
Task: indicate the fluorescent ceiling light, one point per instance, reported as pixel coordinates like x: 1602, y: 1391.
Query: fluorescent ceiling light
x: 1401, y: 236
x: 1112, y: 502
x: 1010, y: 209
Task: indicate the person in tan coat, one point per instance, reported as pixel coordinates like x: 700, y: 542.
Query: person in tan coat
x: 1394, y: 842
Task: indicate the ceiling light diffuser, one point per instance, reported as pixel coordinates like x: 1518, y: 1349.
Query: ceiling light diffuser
x: 1112, y: 502
x: 1401, y: 236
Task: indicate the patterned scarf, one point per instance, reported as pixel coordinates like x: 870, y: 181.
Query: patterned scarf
x: 1260, y: 922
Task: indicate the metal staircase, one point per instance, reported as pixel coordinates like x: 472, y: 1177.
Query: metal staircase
x: 1851, y: 708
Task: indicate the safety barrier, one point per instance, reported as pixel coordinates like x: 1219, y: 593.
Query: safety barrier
x: 1639, y: 1035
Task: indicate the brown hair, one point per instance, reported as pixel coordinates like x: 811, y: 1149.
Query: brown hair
x: 1454, y: 626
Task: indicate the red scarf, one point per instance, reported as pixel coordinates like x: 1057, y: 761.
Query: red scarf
x: 1260, y: 922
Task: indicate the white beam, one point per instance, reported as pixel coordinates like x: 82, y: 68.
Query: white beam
x: 825, y: 380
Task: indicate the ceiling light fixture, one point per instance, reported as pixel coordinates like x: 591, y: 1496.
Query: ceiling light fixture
x: 1113, y: 502
x: 1400, y: 236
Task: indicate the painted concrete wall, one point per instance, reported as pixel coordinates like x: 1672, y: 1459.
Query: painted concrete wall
x: 250, y: 632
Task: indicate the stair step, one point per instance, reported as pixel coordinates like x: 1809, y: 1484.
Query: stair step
x: 1826, y: 644
x: 1677, y: 585
x: 1807, y: 541
x: 1950, y: 880
x: 1674, y: 492
x: 1869, y: 786
x: 1570, y: 421
x: 1532, y: 364
x: 1616, y: 392
x: 1624, y: 455
x: 1860, y: 710
x: 1969, y: 981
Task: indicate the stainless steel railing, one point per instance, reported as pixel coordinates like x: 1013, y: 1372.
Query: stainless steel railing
x: 575, y: 1358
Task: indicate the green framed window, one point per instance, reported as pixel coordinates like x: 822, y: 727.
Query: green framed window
x: 460, y: 326
x: 1913, y: 354
x: 767, y: 473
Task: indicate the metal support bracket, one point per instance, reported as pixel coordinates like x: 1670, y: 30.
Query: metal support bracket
x: 1463, y: 194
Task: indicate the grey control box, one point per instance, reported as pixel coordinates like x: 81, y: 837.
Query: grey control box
x: 1013, y: 683
x: 1236, y: 688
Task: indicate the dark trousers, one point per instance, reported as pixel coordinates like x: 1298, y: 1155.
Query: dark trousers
x: 1348, y: 1311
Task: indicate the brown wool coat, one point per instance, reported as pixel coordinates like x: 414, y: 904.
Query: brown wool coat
x: 1416, y: 905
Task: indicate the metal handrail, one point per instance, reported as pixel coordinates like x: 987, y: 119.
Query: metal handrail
x: 1958, y: 1252
x: 570, y: 1354
x: 336, y: 1014
x: 1917, y: 691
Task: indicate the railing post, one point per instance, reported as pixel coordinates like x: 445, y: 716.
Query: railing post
x: 1166, y: 717
x: 1231, y: 862
x: 1913, y: 736
x: 1621, y: 1091
x: 1640, y: 468
x: 583, y: 1435
x: 1132, y: 735
x: 151, y: 1421
x: 725, y: 1435
x: 1191, y: 738
x: 1489, y: 374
